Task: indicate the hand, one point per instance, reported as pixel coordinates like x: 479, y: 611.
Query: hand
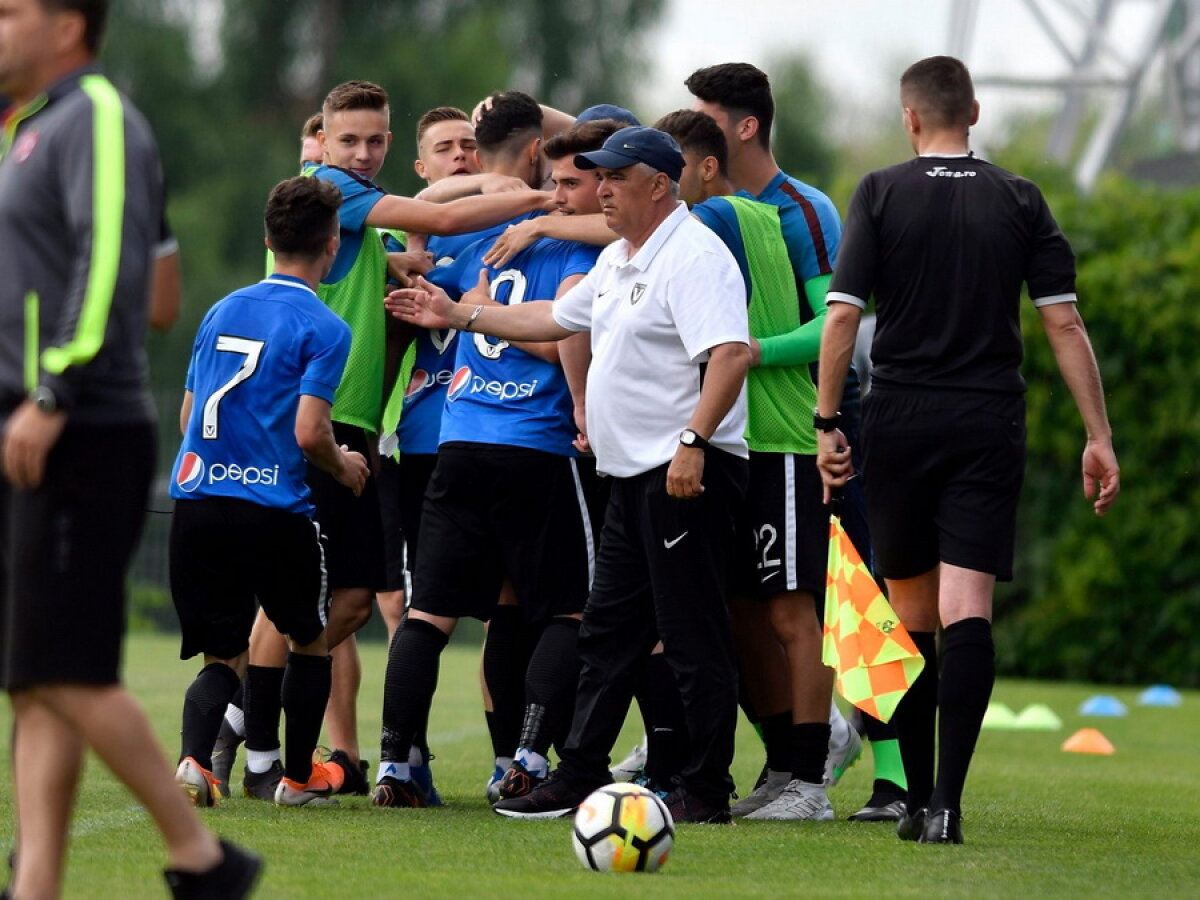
x: 582, y: 444
x: 1100, y: 470
x: 481, y: 294
x: 495, y: 183
x: 833, y: 461
x: 512, y: 241
x: 425, y: 305
x: 403, y: 266
x: 684, y: 473
x: 354, y: 470
x: 484, y: 105
x: 28, y: 439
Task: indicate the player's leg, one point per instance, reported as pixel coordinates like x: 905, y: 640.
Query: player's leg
x: 212, y: 563
x: 502, y: 666
x: 665, y: 722
x: 46, y: 763
x: 551, y: 557
x: 263, y: 696
x: 457, y: 573
x: 616, y: 634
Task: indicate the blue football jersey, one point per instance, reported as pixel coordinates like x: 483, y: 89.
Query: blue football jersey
x: 433, y: 363
x: 256, y: 352
x: 497, y: 393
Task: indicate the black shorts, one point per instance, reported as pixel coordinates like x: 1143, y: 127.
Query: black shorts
x: 415, y: 472
x: 494, y: 511
x: 945, y: 477
x: 783, y: 528
x: 354, y: 555
x: 225, y: 553
x: 390, y: 488
x: 66, y: 549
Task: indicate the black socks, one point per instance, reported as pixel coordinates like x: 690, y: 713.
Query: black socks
x: 411, y: 679
x: 305, y: 692
x: 914, y: 720
x: 204, y: 710
x: 968, y: 674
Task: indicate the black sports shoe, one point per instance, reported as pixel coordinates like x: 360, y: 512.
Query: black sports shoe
x: 356, y: 775
x: 555, y: 797
x: 392, y: 792
x: 942, y: 826
x: 230, y: 879
x: 886, y: 804
x: 262, y: 785
x: 518, y: 781
x: 687, y: 807
x: 911, y: 825
x: 224, y: 755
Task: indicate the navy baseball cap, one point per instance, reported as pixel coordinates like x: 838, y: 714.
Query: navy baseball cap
x: 607, y: 111
x: 636, y: 144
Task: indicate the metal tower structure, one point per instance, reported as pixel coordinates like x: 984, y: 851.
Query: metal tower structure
x: 1106, y: 67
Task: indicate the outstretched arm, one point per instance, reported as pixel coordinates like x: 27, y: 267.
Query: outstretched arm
x: 1073, y: 351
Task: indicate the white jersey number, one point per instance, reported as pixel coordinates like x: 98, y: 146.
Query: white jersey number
x: 487, y: 349
x: 252, y: 350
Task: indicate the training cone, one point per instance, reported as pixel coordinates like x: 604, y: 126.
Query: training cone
x: 1102, y: 705
x: 999, y: 716
x: 1038, y: 717
x: 1088, y: 740
x: 1160, y: 695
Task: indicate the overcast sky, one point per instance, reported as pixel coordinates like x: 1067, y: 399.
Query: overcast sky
x: 860, y: 47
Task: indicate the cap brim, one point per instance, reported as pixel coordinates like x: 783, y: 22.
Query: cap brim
x: 604, y: 159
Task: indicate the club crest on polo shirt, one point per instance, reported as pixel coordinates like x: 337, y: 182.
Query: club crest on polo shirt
x: 639, y: 291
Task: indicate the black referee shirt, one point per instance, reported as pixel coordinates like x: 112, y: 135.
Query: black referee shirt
x: 944, y: 245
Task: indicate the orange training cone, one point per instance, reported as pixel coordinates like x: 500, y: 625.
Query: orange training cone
x: 1088, y: 740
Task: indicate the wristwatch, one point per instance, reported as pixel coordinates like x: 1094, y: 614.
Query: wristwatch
x: 823, y: 424
x: 689, y: 438
x: 44, y: 399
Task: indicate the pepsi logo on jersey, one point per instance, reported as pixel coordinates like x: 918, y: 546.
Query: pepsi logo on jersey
x: 465, y: 381
x: 192, y: 471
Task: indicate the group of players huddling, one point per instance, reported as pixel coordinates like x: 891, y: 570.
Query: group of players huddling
x: 317, y: 467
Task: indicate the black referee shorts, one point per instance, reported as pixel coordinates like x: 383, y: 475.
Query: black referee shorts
x: 66, y: 548
x: 493, y: 511
x: 225, y: 553
x: 945, y: 477
x: 354, y: 553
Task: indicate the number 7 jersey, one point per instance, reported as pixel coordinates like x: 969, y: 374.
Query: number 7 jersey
x: 256, y: 352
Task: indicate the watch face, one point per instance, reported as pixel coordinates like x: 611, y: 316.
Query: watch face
x: 688, y: 437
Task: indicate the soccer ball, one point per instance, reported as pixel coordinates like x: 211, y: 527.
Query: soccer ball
x: 623, y: 828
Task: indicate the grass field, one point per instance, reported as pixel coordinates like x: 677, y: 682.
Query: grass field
x: 1039, y: 822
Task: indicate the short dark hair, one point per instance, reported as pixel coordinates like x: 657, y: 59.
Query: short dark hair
x: 512, y: 119
x: 351, y: 95
x: 301, y: 215
x: 742, y: 89
x: 94, y: 12
x: 439, y: 114
x: 940, y: 89
x: 581, y: 138
x: 698, y: 133
x: 313, y: 124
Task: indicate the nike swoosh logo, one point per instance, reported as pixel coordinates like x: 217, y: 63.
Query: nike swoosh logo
x: 670, y: 544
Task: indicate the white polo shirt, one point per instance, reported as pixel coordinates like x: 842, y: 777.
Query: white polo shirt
x: 653, y: 319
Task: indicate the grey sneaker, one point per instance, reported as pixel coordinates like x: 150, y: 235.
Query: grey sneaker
x: 799, y: 801
x: 845, y: 747
x: 632, y: 765
x: 770, y: 788
x: 262, y: 785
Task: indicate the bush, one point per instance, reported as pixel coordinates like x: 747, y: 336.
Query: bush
x: 1112, y: 599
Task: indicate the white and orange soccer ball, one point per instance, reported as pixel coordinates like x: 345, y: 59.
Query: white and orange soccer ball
x: 623, y: 828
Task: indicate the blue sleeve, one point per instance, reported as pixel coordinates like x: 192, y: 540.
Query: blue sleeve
x: 359, y: 196
x: 720, y: 217
x: 581, y: 259
x: 330, y: 347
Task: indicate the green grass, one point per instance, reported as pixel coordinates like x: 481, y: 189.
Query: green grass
x: 1039, y: 822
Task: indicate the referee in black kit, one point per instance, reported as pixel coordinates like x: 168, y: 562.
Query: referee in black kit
x: 944, y: 242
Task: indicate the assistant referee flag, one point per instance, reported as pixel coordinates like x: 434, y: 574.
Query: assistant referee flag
x: 864, y: 642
